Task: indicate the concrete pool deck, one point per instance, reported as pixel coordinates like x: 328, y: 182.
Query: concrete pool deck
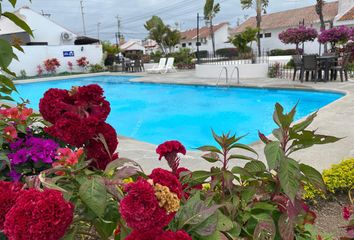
x: 335, y: 119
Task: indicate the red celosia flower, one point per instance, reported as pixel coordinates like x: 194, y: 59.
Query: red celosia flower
x: 167, y: 179
x: 140, y: 208
x: 39, y: 215
x: 347, y: 212
x: 73, y: 130
x: 169, y: 150
x: 97, y: 151
x: 153, y: 234
x: 54, y: 104
x: 9, y: 192
x: 10, y: 133
x: 179, y: 235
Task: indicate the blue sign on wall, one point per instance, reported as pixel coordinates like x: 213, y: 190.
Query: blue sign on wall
x: 68, y: 54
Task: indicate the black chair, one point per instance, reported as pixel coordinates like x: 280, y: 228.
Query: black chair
x: 297, y: 65
x: 342, y: 67
x: 309, y: 66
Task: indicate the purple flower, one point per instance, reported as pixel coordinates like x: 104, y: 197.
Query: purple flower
x: 335, y: 35
x: 15, y: 176
x: 298, y: 35
x: 33, y: 149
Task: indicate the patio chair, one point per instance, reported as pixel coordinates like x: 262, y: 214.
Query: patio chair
x: 298, y: 65
x: 137, y: 65
x: 342, y: 67
x: 169, y: 65
x: 309, y: 66
x: 159, y: 67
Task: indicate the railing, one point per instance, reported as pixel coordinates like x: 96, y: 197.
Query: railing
x: 226, y: 76
x: 238, y: 74
x: 244, y: 58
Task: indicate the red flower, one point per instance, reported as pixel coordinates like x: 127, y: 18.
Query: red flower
x: 39, y: 215
x: 169, y: 150
x: 9, y: 192
x: 10, y: 133
x: 153, y: 234
x: 140, y: 208
x: 96, y: 149
x: 73, y: 130
x: 179, y: 235
x: 186, y: 194
x: 347, y: 212
x: 54, y: 104
x: 167, y: 179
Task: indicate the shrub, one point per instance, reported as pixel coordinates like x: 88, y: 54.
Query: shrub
x: 155, y: 56
x: 183, y: 56
x: 82, y: 62
x: 95, y: 68
x: 202, y: 54
x: 39, y: 70
x: 282, y: 52
x: 227, y: 52
x: 339, y: 178
x: 51, y: 65
x: 274, y: 71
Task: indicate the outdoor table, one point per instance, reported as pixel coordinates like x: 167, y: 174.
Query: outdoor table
x: 326, y: 62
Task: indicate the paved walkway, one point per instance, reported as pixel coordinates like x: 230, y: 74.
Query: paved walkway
x: 335, y: 119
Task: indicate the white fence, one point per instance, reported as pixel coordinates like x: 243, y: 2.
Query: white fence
x: 36, y: 55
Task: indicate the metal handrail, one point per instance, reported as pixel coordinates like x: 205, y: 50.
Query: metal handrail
x: 238, y: 74
x: 226, y: 77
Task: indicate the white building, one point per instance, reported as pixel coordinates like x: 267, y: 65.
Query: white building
x: 335, y: 13
x: 221, y: 35
x: 49, y: 40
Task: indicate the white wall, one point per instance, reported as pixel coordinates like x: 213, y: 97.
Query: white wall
x: 246, y: 71
x: 36, y: 55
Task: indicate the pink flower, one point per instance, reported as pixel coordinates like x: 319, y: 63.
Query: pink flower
x: 347, y: 212
x: 169, y: 151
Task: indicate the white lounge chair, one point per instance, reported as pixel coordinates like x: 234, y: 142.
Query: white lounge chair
x: 169, y: 66
x: 158, y: 68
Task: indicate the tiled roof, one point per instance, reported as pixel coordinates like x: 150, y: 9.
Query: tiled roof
x: 348, y: 15
x: 291, y: 18
x: 204, y: 32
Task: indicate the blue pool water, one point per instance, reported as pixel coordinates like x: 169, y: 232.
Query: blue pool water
x: 158, y: 112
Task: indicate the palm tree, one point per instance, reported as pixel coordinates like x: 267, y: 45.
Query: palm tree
x: 171, y: 38
x: 157, y: 31
x: 260, y: 6
x: 210, y: 11
x: 319, y: 11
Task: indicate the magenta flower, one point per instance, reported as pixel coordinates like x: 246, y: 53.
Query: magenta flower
x: 335, y: 35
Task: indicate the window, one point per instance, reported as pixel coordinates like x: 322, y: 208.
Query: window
x: 190, y: 44
x: 260, y: 35
x: 268, y: 35
x: 184, y: 44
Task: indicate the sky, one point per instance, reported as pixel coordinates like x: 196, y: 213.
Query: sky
x: 134, y: 13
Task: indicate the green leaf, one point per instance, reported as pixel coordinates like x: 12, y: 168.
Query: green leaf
x: 283, y: 120
x: 304, y: 124
x: 120, y: 163
x: 93, y: 193
x: 7, y: 82
x: 274, y: 154
x: 224, y: 223
x: 242, y: 157
x: 234, y: 233
x: 207, y: 227
x: 241, y: 171
x: 248, y: 193
x: 265, y: 230
x: 13, y: 2
x: 211, y: 157
x: 244, y: 147
x: 286, y: 227
x: 289, y: 177
x: 255, y: 167
x: 19, y: 22
x: 106, y: 227
x: 194, y: 212
x: 314, y: 177
x: 264, y: 206
x: 6, y: 54
x: 209, y: 149
x: 199, y: 177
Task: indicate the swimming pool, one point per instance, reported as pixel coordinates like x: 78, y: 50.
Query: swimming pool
x: 158, y: 112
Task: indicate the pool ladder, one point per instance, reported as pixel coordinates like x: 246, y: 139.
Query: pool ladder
x: 227, y: 76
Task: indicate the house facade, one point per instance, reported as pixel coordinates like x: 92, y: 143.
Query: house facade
x: 221, y: 35
x: 335, y: 14
x: 49, y: 40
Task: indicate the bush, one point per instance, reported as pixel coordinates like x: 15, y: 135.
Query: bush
x: 93, y: 68
x: 183, y: 56
x: 282, y: 52
x: 339, y: 178
x: 291, y: 64
x: 23, y: 74
x: 202, y: 54
x: 227, y: 52
x: 274, y: 71
x: 155, y: 56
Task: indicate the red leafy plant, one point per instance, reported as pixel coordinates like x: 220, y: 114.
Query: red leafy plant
x: 51, y: 65
x: 70, y: 66
x: 82, y: 62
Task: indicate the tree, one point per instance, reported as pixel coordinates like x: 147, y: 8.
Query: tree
x: 260, y: 6
x: 319, y: 11
x: 210, y: 11
x: 241, y: 40
x: 157, y: 31
x: 109, y: 48
x: 171, y: 38
x: 298, y: 35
